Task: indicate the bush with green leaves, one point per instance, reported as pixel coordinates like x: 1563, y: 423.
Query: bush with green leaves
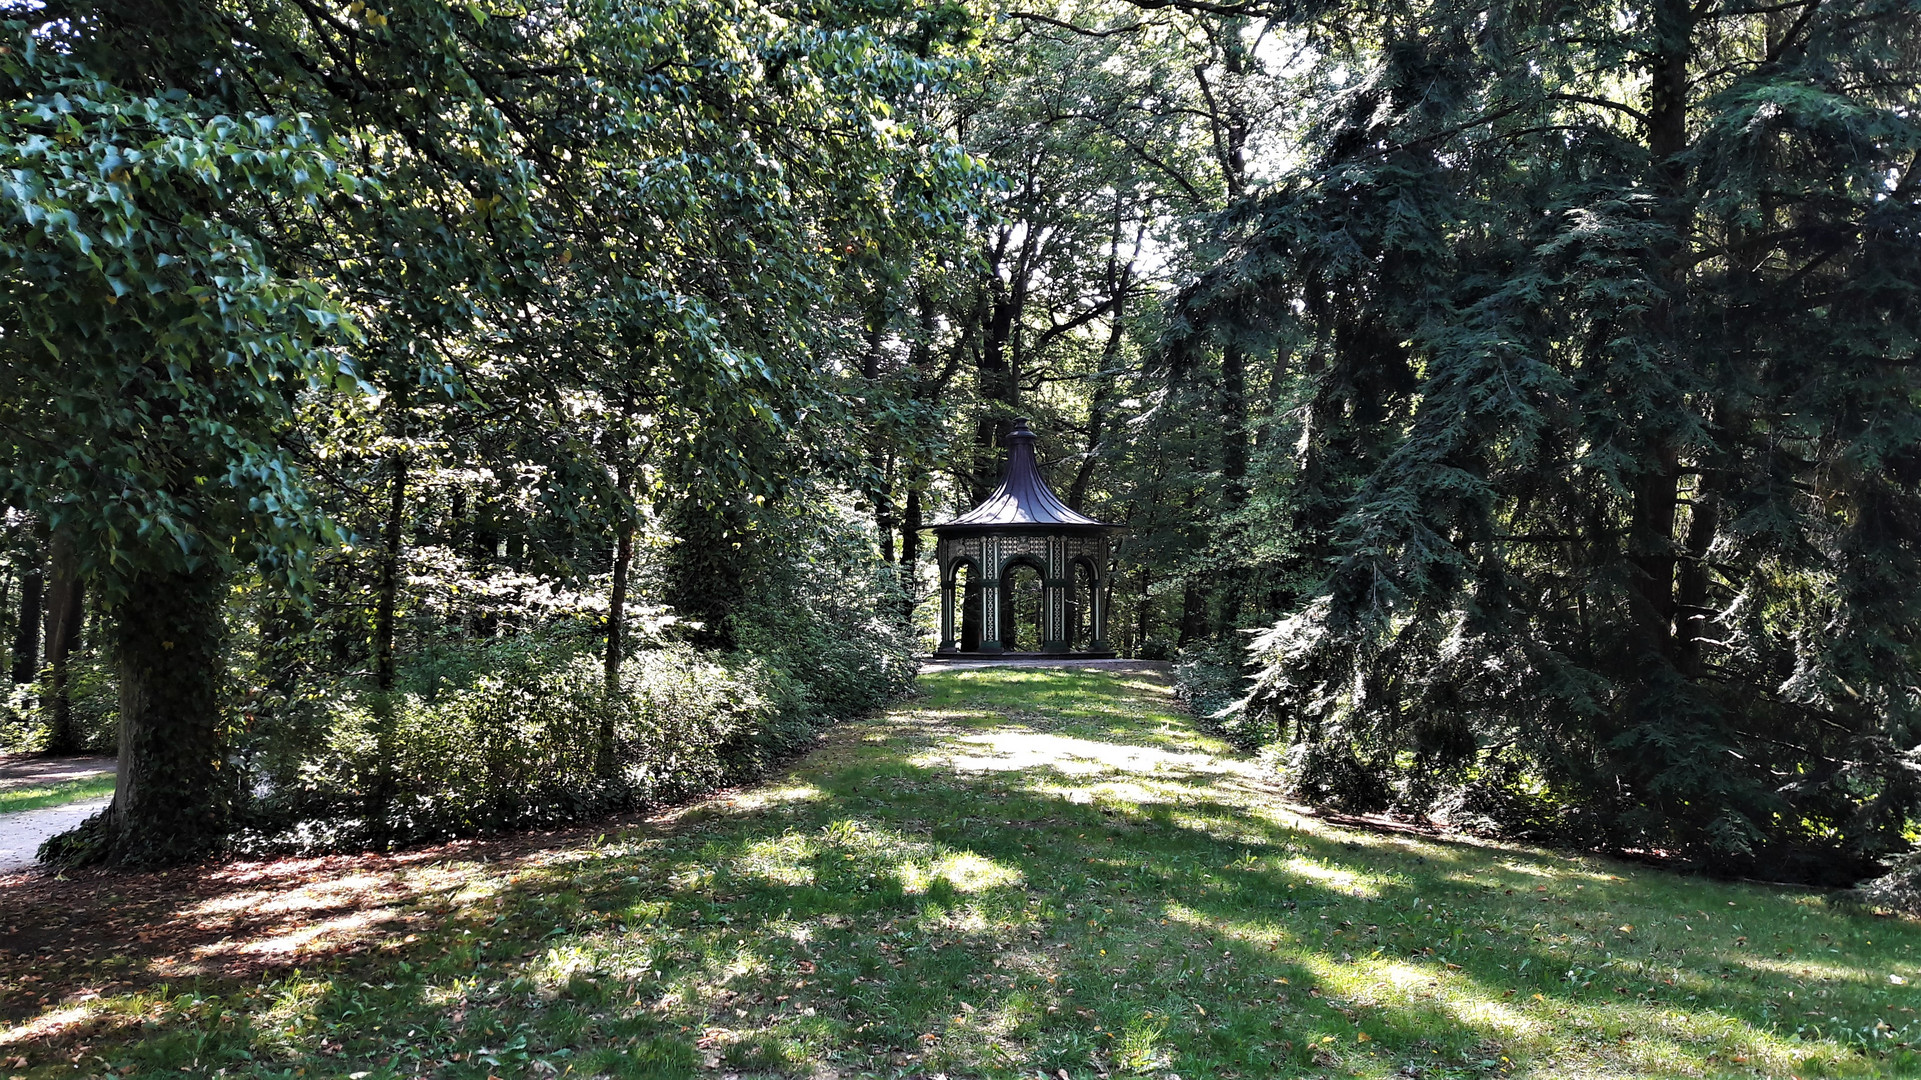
x: 93, y: 696
x: 518, y: 731
x: 537, y: 741
x: 1210, y: 678
x: 21, y: 729
x: 815, y: 606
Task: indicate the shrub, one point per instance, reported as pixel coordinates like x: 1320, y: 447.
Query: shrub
x: 518, y: 731
x: 841, y: 663
x: 535, y: 742
x: 93, y: 698
x: 827, y: 617
x: 1155, y: 648
x: 1328, y: 772
x: 93, y: 694
x: 1500, y: 797
x: 1211, y: 680
x: 21, y: 729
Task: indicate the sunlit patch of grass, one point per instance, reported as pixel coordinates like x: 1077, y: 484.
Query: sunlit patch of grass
x: 774, y: 795
x: 964, y: 872
x: 1338, y: 878
x: 41, y: 796
x: 782, y: 860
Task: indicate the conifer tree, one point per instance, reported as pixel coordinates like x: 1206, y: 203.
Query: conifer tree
x: 1609, y: 453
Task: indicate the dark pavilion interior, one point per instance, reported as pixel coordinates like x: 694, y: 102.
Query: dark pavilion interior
x: 1022, y: 574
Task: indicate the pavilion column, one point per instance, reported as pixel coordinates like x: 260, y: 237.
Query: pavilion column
x: 1098, y: 599
x: 1054, y: 616
x: 948, y: 580
x: 991, y: 616
x: 991, y: 596
x: 1054, y: 597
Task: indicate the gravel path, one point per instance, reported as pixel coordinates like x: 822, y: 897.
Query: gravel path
x: 21, y: 834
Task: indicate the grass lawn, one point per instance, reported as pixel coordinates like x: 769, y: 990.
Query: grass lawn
x: 1017, y: 873
x: 14, y: 800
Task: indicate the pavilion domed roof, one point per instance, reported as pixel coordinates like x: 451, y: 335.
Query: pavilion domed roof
x: 1023, y: 498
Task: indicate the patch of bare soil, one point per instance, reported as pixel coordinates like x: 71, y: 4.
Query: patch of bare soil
x: 72, y: 937
x: 38, y: 770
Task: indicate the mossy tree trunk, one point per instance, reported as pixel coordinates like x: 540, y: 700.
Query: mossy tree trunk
x: 173, y: 798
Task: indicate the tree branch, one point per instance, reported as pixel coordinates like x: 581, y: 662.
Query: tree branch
x: 1604, y: 103
x: 1046, y: 20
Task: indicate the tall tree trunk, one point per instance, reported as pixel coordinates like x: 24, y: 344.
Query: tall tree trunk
x: 996, y: 384
x: 1656, y: 491
x: 880, y: 494
x: 65, y: 606
x: 1096, y: 423
x: 459, y: 539
x: 1227, y: 105
x: 1144, y: 610
x: 997, y: 378
x: 606, y: 756
x: 1229, y: 126
x: 1193, y: 612
x: 910, y: 527
x: 929, y: 384
x: 485, y: 552
x: 380, y: 798
x: 1118, y: 278
x: 173, y: 796
x: 389, y: 595
x: 884, y: 519
x: 1233, y: 467
x: 26, y: 633
x: 617, y: 596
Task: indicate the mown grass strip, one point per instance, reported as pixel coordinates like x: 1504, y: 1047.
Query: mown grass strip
x: 40, y: 796
x: 1034, y: 872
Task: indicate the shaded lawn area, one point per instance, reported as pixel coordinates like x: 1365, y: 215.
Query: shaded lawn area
x: 1019, y: 872
x: 40, y: 796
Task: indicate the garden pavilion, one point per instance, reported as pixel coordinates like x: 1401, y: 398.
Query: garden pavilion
x: 1021, y: 574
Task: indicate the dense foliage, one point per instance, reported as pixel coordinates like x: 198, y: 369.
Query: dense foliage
x: 1509, y: 405
x: 572, y: 316
x: 1610, y: 390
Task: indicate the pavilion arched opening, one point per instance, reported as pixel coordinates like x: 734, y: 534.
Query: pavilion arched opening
x: 961, y: 593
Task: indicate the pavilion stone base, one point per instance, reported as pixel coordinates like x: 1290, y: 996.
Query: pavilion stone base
x: 957, y: 657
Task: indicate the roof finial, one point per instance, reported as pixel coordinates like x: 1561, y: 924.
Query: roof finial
x: 1023, y: 497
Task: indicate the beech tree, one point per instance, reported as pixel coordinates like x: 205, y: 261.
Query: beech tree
x: 590, y: 246
x: 151, y: 355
